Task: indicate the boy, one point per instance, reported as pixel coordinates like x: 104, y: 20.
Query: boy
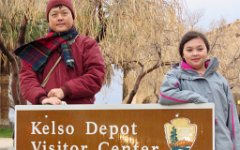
x: 62, y: 66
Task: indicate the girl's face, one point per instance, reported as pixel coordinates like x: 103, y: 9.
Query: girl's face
x: 60, y: 19
x: 195, y: 53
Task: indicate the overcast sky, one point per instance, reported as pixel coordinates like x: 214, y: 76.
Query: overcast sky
x: 214, y: 10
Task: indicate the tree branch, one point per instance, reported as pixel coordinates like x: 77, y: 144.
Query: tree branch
x: 22, y: 32
x: 144, y: 73
x: 102, y: 33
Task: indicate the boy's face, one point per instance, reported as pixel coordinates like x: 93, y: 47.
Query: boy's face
x: 60, y: 19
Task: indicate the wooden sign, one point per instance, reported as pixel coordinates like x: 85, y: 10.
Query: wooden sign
x: 114, y: 127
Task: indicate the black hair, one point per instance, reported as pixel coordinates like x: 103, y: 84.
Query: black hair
x: 189, y: 36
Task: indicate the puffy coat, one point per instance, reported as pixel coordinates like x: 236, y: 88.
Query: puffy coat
x: 79, y: 84
x: 182, y: 84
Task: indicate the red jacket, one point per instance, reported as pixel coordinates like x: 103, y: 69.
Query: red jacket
x: 79, y: 84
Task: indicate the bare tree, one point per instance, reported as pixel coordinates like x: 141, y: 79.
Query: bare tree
x: 225, y: 45
x: 133, y: 35
x: 193, y: 18
x: 8, y: 36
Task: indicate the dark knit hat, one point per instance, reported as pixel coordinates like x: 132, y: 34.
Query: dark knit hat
x: 53, y: 3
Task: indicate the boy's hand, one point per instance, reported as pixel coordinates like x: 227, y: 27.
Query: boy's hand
x: 57, y: 92
x: 52, y: 101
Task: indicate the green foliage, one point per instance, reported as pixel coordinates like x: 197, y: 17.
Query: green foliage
x: 6, y: 132
x: 173, y: 136
x: 36, y: 30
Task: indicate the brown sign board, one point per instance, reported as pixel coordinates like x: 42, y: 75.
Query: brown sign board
x: 114, y: 127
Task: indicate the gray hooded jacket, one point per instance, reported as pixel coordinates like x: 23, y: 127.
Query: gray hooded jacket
x: 184, y: 85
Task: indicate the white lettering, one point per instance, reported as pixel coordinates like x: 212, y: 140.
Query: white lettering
x: 59, y: 145
x: 115, y: 147
x: 126, y: 147
x: 83, y: 147
x: 60, y: 130
x: 134, y: 127
x: 74, y: 147
x: 124, y: 129
x: 144, y: 148
x: 35, y: 128
x: 93, y: 128
x: 103, y: 130
x: 51, y: 147
x: 34, y: 145
x: 113, y: 130
x: 43, y: 145
x: 88, y: 128
x: 69, y: 130
x: 106, y: 145
x: 101, y: 144
x: 45, y: 129
x: 65, y: 146
x: 135, y: 146
x: 40, y: 128
x: 53, y: 129
x: 155, y: 147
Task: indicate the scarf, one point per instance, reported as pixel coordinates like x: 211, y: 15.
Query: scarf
x: 37, y: 52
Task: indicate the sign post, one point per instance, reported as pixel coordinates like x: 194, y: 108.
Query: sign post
x: 115, y: 127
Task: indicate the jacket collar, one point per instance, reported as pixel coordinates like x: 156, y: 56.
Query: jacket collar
x: 211, y: 65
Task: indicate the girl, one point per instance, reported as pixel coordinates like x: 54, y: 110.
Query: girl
x: 196, y: 80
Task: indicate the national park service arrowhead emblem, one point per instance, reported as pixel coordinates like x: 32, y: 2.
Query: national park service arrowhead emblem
x: 180, y: 134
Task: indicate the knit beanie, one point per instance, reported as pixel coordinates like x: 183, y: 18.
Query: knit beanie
x: 53, y: 3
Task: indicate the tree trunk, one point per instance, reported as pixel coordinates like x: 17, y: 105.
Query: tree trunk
x: 14, y: 88
x: 125, y: 85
